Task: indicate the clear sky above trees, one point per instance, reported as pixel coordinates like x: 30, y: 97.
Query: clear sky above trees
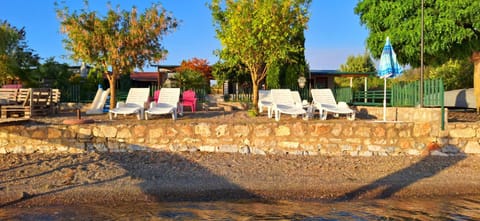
x: 334, y: 30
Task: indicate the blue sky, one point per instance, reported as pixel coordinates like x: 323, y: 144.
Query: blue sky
x: 334, y: 31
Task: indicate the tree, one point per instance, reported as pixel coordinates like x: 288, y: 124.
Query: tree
x: 273, y: 76
x: 452, y: 31
x: 118, y: 42
x: 58, y: 74
x: 284, y: 73
x: 197, y: 64
x: 234, y: 73
x: 197, y: 74
x: 17, y: 60
x: 258, y: 33
x: 296, y: 66
x: 360, y: 63
x: 189, y: 79
x: 223, y: 71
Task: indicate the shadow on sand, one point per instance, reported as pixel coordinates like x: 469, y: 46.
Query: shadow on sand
x: 387, y: 186
x: 162, y: 176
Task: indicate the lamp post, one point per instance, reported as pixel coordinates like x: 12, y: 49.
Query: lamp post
x: 421, y: 59
x: 301, y: 81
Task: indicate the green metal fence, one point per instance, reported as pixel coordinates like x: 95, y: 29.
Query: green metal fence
x: 371, y: 98
x: 75, y: 94
x: 406, y: 95
x: 344, y: 94
x: 434, y: 93
x: 400, y: 95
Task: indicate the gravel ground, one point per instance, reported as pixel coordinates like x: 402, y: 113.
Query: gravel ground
x: 454, y: 116
x: 57, y: 179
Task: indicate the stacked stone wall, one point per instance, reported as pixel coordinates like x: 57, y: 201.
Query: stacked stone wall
x: 463, y: 137
x: 357, y: 138
x: 410, y: 134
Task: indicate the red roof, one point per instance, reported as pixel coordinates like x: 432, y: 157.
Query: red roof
x: 144, y: 76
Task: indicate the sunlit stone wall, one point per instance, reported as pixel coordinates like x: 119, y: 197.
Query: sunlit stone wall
x: 313, y: 137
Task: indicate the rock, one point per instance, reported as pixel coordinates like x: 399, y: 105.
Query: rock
x: 438, y: 153
x: 25, y: 195
x: 78, y: 121
x: 244, y: 150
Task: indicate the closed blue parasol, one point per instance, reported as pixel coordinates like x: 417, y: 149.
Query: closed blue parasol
x: 388, y: 68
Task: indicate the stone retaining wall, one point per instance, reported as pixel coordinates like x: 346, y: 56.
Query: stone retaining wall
x: 409, y: 135
x: 465, y: 136
x: 404, y: 114
x: 356, y: 138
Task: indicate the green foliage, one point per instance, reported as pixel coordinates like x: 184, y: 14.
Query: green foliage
x: 363, y: 64
x: 120, y: 41
x: 223, y: 71
x: 451, y: 28
x: 189, y: 79
x: 273, y: 76
x: 125, y: 82
x: 410, y: 75
x: 58, y: 74
x: 456, y: 74
x: 95, y: 77
x: 291, y: 75
x: 9, y: 38
x: 253, y: 112
x: 258, y: 33
x: 296, y: 66
x: 289, y: 70
x: 17, y: 60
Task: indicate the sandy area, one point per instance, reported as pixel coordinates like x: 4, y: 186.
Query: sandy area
x: 39, y: 179
x: 61, y: 179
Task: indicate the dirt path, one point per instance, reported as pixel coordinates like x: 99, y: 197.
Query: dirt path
x: 39, y: 179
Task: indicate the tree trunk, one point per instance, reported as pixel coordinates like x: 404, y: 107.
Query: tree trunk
x: 112, y: 80
x: 257, y: 74
x: 476, y: 78
x: 255, y: 94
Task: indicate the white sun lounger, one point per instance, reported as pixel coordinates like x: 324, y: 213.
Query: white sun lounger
x: 324, y: 102
x: 135, y: 103
x: 265, y: 101
x: 98, y: 102
x: 283, y: 103
x: 168, y: 102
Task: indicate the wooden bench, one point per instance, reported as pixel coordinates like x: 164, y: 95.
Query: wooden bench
x: 29, y: 102
x: 54, y: 103
x: 40, y: 100
x: 18, y: 106
x: 8, y: 95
